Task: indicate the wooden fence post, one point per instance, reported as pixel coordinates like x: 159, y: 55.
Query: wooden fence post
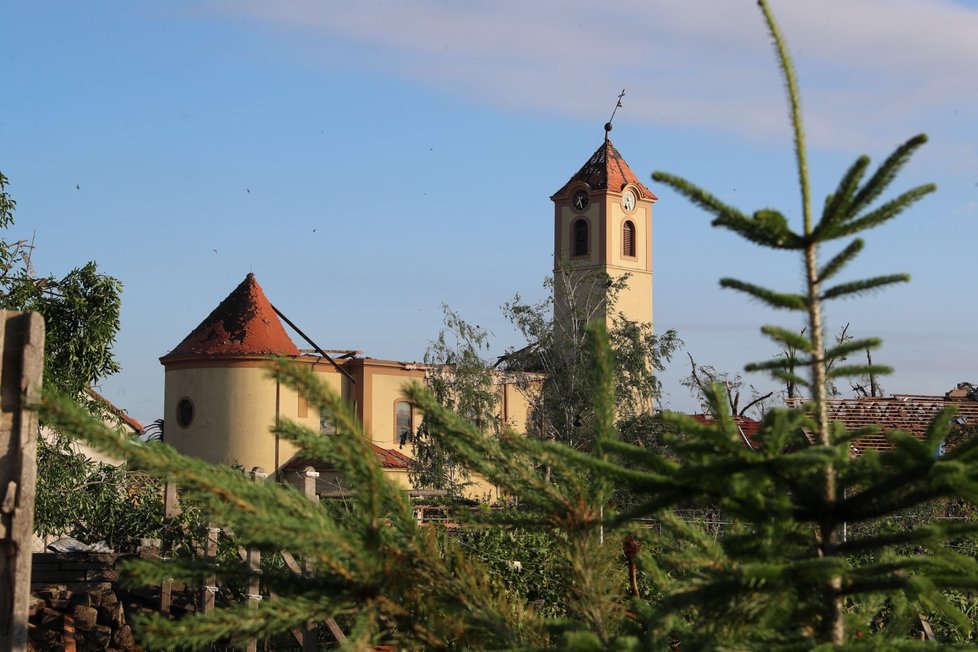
x: 171, y: 509
x: 209, y: 592
x: 21, y: 364
x: 310, y: 633
x: 254, y: 567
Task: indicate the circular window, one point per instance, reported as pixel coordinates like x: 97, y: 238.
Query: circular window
x: 185, y: 412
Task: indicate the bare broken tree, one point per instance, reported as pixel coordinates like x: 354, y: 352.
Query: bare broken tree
x: 702, y: 377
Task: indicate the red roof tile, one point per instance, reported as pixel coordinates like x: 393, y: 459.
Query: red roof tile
x: 748, y: 427
x: 388, y: 458
x: 121, y: 414
x: 243, y: 324
x: 907, y: 412
x: 606, y: 170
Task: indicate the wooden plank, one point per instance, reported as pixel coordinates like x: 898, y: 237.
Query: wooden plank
x: 335, y: 630
x: 291, y: 562
x: 926, y: 633
x: 21, y: 365
x: 68, y: 628
x: 209, y: 590
x: 254, y: 568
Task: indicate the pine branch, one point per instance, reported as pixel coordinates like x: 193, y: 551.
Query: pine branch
x: 767, y: 227
x: 849, y: 371
x: 700, y: 197
x: 885, y: 175
x: 837, y: 203
x: 851, y: 346
x: 882, y: 214
x: 778, y: 364
x: 770, y: 297
x: 788, y: 337
x: 864, y: 286
x: 840, y: 260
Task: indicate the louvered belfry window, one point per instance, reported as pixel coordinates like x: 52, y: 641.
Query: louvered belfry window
x: 628, y: 239
x: 580, y: 238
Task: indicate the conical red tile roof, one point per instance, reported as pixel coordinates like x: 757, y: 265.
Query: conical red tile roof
x: 606, y: 170
x: 244, y: 324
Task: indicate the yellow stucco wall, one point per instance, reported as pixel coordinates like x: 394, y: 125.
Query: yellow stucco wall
x: 635, y: 301
x: 383, y: 384
x: 236, y: 403
x: 514, y: 406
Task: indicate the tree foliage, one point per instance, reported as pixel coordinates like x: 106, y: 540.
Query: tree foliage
x: 93, y: 501
x: 461, y: 377
x: 559, y: 347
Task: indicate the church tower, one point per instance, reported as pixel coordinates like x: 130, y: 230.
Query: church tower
x: 603, y: 226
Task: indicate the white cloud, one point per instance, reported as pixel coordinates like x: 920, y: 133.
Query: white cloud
x: 873, y: 71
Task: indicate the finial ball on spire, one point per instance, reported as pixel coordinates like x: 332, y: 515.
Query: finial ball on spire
x: 607, y: 127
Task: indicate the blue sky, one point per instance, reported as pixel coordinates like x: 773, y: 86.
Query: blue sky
x: 369, y: 161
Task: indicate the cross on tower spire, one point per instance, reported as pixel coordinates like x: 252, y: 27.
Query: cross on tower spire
x: 607, y: 125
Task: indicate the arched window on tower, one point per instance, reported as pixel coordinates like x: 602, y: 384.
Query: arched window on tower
x: 628, y: 239
x: 580, y: 247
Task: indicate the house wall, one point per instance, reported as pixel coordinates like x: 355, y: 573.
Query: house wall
x: 380, y: 385
x: 514, y: 407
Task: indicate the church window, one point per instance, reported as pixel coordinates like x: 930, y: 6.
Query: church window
x: 185, y: 412
x: 580, y: 232
x: 628, y: 239
x: 403, y: 425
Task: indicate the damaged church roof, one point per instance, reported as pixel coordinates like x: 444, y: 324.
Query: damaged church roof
x: 244, y: 324
x: 606, y: 170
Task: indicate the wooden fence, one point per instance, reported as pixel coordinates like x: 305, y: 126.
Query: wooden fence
x: 307, y: 636
x: 21, y: 364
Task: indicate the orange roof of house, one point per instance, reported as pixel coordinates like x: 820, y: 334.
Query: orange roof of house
x: 243, y: 324
x: 606, y: 170
x: 749, y: 427
x: 911, y: 413
x: 121, y: 414
x: 388, y: 458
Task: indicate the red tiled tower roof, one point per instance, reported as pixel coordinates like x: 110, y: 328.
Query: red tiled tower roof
x: 243, y: 324
x: 606, y: 170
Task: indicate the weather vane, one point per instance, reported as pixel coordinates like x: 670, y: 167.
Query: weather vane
x: 607, y: 126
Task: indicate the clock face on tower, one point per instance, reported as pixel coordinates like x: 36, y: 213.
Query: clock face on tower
x: 580, y: 200
x: 628, y: 200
